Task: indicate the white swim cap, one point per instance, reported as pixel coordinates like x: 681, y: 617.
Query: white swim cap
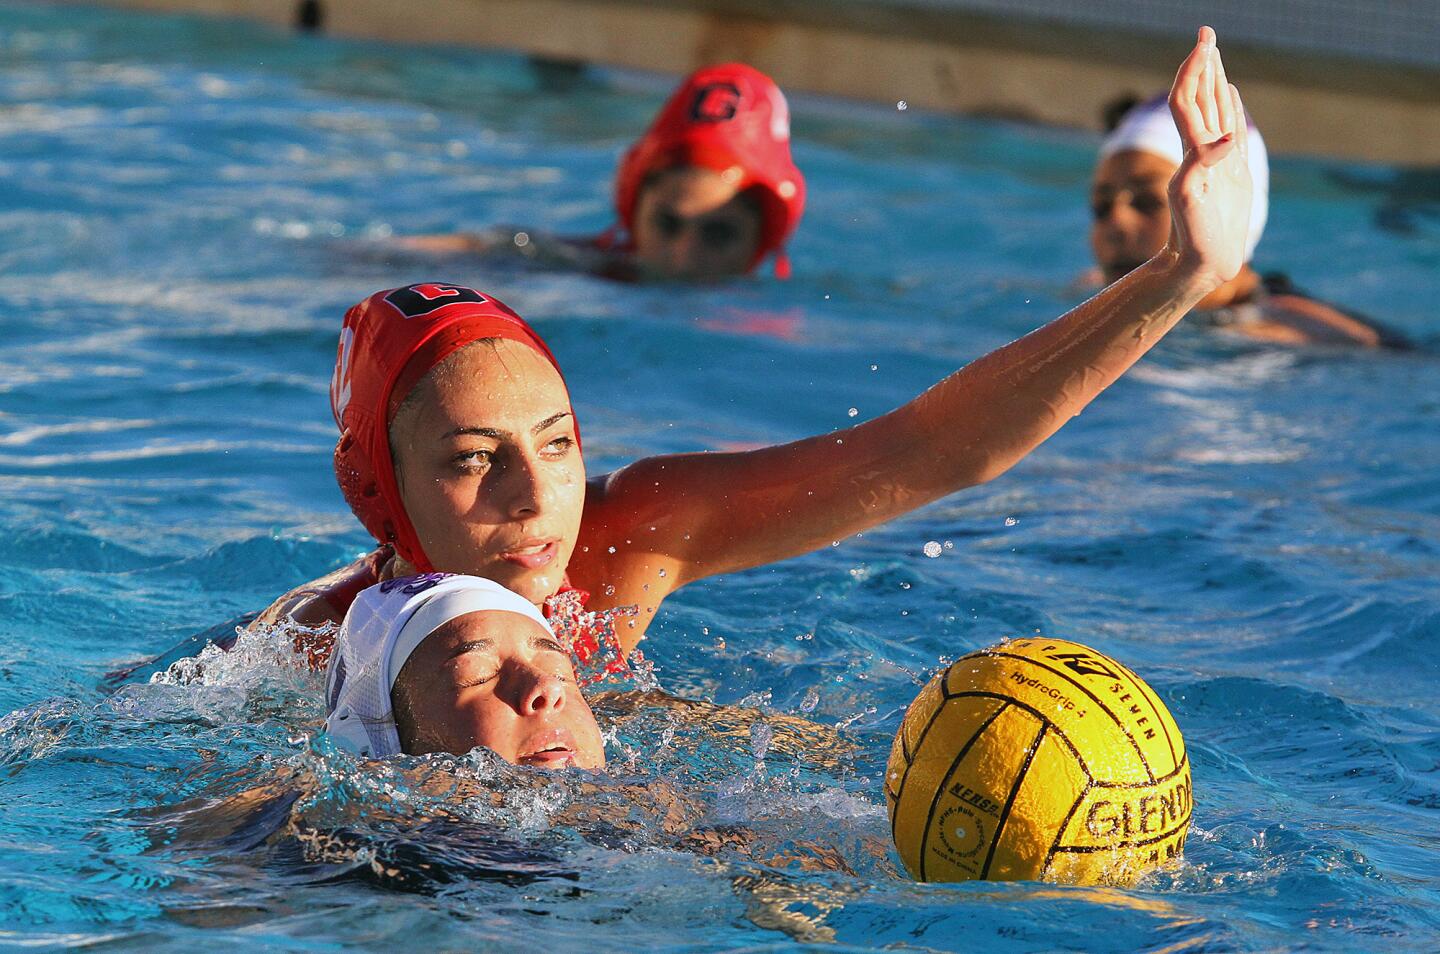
x: 384, y: 626
x: 1149, y: 127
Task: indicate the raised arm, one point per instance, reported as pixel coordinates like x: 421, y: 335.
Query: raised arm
x: 697, y: 514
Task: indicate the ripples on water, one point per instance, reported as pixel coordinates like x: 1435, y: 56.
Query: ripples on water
x: 188, y: 209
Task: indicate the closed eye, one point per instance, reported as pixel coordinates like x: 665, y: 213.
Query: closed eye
x: 477, y: 681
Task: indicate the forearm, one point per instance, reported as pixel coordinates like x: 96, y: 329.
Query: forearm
x: 749, y: 508
x: 981, y: 420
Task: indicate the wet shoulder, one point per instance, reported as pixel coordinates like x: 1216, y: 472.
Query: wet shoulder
x: 327, y: 599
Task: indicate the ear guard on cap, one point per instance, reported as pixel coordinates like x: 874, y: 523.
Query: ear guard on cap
x: 362, y: 492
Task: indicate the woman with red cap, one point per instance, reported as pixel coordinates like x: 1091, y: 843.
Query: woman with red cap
x: 459, y: 450
x: 709, y: 191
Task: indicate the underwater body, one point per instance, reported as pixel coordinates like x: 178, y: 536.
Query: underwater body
x: 190, y: 206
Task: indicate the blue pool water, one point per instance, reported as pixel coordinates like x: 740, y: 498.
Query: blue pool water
x: 188, y: 207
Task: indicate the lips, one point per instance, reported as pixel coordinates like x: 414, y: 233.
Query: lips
x: 533, y: 553
x: 552, y: 748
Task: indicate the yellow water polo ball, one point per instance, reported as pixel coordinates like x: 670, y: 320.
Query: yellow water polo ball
x: 1037, y: 759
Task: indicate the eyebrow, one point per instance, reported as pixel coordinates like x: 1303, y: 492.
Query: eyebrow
x: 547, y: 642
x: 471, y: 646
x: 498, y: 433
x: 539, y: 641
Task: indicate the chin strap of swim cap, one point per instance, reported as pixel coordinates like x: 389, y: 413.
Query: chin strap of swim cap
x: 387, y: 344
x: 782, y: 265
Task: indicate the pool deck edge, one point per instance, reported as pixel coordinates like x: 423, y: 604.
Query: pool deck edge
x: 945, y: 60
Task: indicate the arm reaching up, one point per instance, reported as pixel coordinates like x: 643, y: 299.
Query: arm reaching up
x: 680, y: 518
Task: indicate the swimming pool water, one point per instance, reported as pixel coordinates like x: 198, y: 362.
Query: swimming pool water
x: 188, y: 207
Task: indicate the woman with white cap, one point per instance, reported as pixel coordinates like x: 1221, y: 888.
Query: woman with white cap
x: 1132, y: 222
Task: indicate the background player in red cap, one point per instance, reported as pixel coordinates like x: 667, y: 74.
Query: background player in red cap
x: 460, y: 452
x: 708, y: 192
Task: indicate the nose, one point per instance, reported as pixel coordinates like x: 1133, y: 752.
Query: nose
x: 528, y: 490
x: 682, y: 250
x: 534, y: 691
x: 1122, y: 213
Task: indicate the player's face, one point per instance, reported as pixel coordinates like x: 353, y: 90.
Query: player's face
x: 1131, y: 215
x: 489, y: 467
x: 693, y: 223
x: 498, y: 680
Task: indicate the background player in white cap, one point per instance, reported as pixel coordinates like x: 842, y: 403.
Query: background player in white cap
x: 1132, y: 222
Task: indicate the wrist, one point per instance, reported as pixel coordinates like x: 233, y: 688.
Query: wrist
x: 1190, y: 279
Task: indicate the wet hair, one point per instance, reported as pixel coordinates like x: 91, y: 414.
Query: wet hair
x: 1114, y: 111
x: 404, y: 711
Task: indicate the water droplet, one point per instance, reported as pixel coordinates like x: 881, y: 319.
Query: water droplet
x: 811, y: 700
x: 760, y: 735
x: 874, y: 367
x: 932, y: 549
x: 1011, y: 521
x: 612, y: 549
x: 839, y: 440
x: 522, y: 239
x: 662, y: 571
x: 853, y: 411
x: 902, y: 105
x: 949, y: 545
x: 609, y: 589
x: 904, y: 585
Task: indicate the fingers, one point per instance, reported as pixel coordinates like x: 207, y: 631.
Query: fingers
x: 1184, y: 93
x: 1205, y: 96
x: 1221, y: 92
x: 1242, y: 125
x: 1212, y: 152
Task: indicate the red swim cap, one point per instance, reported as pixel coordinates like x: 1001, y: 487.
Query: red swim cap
x: 723, y: 117
x: 387, y: 344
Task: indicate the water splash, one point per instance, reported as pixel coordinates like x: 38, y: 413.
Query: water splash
x: 590, y: 635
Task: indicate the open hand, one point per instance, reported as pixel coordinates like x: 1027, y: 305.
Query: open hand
x: 1210, y: 192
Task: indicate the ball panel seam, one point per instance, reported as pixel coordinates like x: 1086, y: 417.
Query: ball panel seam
x: 1162, y: 714
x: 940, y: 790
x: 1093, y: 698
x: 1010, y: 800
